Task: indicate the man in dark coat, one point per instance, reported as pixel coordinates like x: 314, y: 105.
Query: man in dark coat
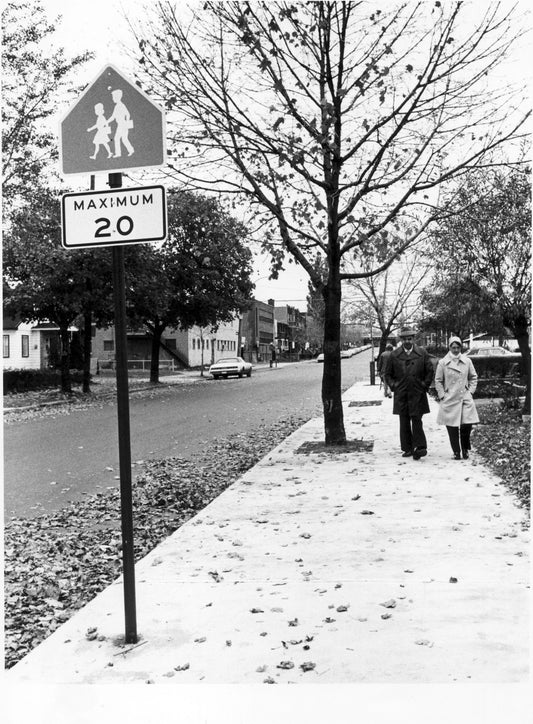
x: 409, y: 374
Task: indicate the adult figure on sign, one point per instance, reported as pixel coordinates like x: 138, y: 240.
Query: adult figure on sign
x: 124, y: 123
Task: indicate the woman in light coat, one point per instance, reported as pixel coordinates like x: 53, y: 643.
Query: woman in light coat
x: 455, y: 383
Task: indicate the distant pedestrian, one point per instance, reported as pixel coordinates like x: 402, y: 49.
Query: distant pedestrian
x: 381, y: 365
x: 273, y: 356
x: 408, y: 374
x: 455, y: 383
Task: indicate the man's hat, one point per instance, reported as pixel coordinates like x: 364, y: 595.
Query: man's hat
x: 406, y: 332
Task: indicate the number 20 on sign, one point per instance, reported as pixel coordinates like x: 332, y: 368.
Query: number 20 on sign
x: 118, y: 216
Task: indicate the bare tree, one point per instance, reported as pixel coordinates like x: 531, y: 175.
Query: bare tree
x: 392, y: 296
x: 337, y: 123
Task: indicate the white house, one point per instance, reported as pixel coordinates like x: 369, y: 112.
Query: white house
x: 29, y: 345
x: 180, y: 347
x: 202, y: 345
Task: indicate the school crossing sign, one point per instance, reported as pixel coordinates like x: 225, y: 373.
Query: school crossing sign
x: 113, y: 126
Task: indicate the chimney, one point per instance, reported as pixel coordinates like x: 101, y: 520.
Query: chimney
x: 272, y: 303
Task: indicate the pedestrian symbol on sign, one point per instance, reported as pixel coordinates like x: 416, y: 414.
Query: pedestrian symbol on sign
x: 121, y: 116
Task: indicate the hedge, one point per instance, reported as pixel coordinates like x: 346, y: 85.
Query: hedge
x: 25, y: 380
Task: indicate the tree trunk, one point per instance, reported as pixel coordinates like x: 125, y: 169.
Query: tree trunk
x: 66, y: 382
x: 157, y: 331
x: 87, y: 343
x: 520, y: 331
x: 385, y: 332
x: 331, y: 378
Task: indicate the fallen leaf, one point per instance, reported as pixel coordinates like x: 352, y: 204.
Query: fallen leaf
x: 307, y: 666
x: 285, y: 665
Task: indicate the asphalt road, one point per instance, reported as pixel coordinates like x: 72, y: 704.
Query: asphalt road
x: 50, y: 461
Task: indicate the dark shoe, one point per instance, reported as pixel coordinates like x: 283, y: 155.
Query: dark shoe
x: 407, y: 454
x: 419, y: 452
x: 465, y: 454
x: 457, y: 456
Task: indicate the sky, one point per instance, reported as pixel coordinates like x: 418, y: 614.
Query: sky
x: 100, y: 26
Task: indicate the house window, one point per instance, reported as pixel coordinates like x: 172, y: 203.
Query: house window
x: 6, y: 345
x: 171, y: 343
x: 25, y: 345
x: 109, y: 345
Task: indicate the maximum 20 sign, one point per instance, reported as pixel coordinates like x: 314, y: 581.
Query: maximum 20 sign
x: 117, y: 216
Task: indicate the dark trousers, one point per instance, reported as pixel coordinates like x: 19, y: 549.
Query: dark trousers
x: 459, y: 437
x: 411, y: 433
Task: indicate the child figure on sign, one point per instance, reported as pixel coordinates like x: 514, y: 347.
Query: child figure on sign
x: 103, y: 131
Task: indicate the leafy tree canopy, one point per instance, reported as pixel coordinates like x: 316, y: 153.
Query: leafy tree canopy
x: 199, y: 276
x: 48, y: 282
x: 201, y: 273
x: 33, y: 77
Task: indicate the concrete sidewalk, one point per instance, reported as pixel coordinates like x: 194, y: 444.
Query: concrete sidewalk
x: 322, y: 567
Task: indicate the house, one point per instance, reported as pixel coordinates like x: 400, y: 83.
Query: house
x: 31, y: 345
x: 257, y: 331
x: 292, y: 328
x: 179, y: 347
x: 203, y: 346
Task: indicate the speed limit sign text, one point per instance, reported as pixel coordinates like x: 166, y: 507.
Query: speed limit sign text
x: 117, y: 216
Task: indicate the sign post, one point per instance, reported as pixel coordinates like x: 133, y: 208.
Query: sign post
x: 112, y: 127
x: 124, y: 445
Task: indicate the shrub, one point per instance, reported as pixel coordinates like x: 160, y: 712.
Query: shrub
x: 25, y: 380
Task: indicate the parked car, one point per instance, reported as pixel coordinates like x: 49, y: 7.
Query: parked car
x: 491, y: 352
x: 320, y: 357
x: 230, y: 366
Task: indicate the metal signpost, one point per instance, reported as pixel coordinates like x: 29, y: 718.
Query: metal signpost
x: 115, y: 127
